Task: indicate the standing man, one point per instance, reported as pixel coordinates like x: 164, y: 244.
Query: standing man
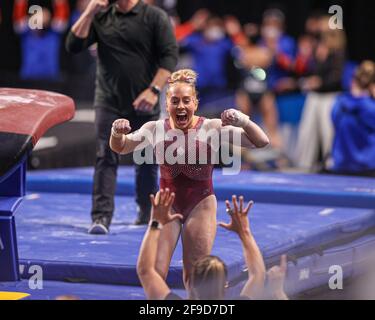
x: 137, y: 52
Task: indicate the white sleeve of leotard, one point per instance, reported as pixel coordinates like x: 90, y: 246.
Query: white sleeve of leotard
x: 229, y: 134
x: 140, y: 138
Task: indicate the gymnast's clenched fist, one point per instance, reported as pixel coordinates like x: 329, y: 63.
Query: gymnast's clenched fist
x: 233, y: 117
x: 120, y: 127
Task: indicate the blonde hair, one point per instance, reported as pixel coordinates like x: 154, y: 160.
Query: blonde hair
x: 365, y: 74
x: 186, y: 76
x: 208, y: 279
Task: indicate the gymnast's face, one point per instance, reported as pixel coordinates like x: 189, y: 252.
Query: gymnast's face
x: 181, y: 105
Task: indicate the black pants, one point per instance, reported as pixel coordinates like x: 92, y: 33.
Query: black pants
x: 107, y: 163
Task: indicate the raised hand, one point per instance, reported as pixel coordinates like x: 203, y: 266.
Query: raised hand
x: 120, y: 127
x: 276, y: 277
x: 239, y: 216
x: 161, y: 207
x: 95, y: 6
x: 199, y: 19
x: 233, y: 117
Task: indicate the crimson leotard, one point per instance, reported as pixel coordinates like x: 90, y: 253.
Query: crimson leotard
x: 191, y: 183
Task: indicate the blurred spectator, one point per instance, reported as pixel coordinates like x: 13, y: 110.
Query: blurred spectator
x: 313, y: 25
x: 195, y: 24
x: 322, y: 85
x: 353, y: 117
x: 252, y: 31
x: 308, y: 43
x: 41, y: 47
x: 282, y: 48
x: 304, y: 61
x: 168, y: 6
x: 372, y: 88
x: 205, y: 38
x: 266, y: 70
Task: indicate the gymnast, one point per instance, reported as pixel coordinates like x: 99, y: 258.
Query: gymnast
x: 191, y: 183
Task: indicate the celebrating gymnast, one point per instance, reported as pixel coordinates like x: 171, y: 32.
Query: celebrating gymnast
x: 188, y: 178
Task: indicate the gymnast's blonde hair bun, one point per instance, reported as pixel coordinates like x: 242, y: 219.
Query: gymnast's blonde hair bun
x: 184, y: 75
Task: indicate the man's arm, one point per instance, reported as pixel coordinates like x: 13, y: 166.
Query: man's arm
x: 82, y: 34
x: 148, y: 99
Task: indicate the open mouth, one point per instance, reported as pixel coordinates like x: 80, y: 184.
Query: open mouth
x: 182, y: 118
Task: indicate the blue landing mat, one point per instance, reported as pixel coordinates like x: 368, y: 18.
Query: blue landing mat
x: 52, y: 232
x: 301, y: 189
x: 308, y: 273
x: 84, y: 291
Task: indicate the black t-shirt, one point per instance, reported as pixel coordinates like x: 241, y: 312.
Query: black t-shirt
x: 131, y: 48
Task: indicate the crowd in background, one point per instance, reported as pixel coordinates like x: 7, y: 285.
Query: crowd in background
x: 251, y: 66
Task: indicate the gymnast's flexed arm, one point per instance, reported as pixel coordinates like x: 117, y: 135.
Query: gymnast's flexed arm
x: 124, y: 142
x: 238, y: 123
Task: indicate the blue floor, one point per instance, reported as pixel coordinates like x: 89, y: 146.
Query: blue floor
x: 316, y: 220
x: 52, y: 231
x: 85, y: 291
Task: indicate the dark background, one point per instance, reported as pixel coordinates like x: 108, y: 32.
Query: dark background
x: 359, y: 21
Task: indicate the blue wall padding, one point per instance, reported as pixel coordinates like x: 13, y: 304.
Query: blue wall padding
x: 52, y: 232
x: 326, y: 190
x: 290, y: 107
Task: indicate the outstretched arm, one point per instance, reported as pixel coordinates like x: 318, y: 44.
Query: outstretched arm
x: 124, y: 142
x: 254, y: 260
x: 153, y: 284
